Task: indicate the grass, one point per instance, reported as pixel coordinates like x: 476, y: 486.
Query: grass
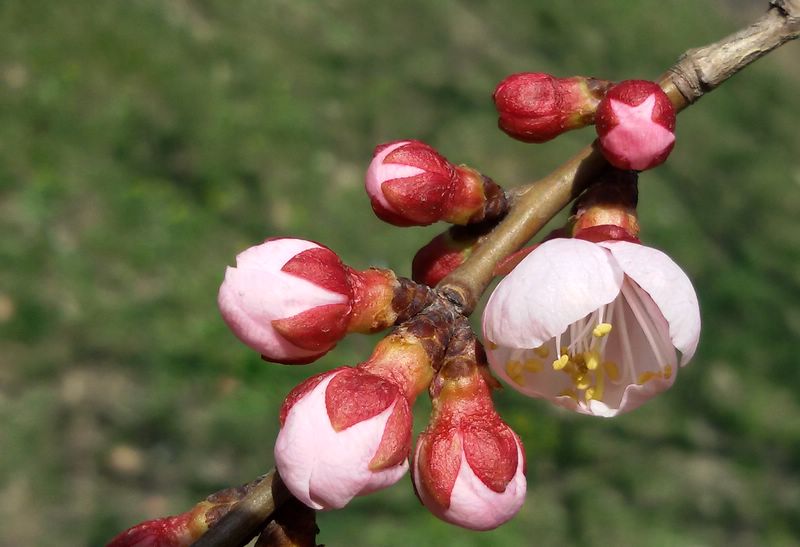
x: 145, y: 143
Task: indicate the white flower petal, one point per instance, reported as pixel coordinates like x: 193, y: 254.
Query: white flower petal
x: 668, y: 286
x: 558, y: 283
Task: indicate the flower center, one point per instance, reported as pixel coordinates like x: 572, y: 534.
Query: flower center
x: 621, y: 343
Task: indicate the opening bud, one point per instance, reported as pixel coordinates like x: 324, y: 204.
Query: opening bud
x: 289, y: 299
x: 443, y: 254
x: 536, y: 107
x: 635, y: 124
x: 469, y: 466
x: 411, y: 184
x: 344, y: 433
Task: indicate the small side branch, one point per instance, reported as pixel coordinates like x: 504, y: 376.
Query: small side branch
x: 247, y: 517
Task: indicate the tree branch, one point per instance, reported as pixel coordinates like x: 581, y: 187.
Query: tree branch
x: 696, y: 73
x: 249, y: 516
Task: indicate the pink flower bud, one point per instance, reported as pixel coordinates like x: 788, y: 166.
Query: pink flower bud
x: 178, y: 531
x: 344, y: 433
x: 636, y: 125
x: 288, y: 299
x: 469, y: 466
x: 439, y: 257
x: 411, y: 184
x: 536, y: 107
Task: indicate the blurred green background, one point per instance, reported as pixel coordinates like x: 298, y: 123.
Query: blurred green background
x: 143, y: 143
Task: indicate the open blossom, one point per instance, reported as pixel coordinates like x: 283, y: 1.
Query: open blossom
x: 410, y: 184
x: 344, y: 433
x: 598, y: 328
x: 288, y: 299
x: 635, y: 124
x: 469, y: 466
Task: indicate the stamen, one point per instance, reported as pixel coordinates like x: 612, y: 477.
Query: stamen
x: 542, y: 351
x: 533, y: 365
x: 491, y: 345
x: 647, y: 376
x: 667, y: 372
x: 612, y: 370
x: 600, y: 386
x: 648, y: 327
x: 591, y: 360
x: 561, y: 362
x: 578, y: 342
x: 601, y: 330
x: 627, y: 354
x: 514, y: 371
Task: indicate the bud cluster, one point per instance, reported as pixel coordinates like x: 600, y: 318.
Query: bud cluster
x: 588, y: 318
x: 635, y: 119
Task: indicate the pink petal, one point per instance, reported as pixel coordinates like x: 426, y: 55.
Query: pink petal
x: 325, y: 469
x: 474, y: 505
x: 273, y: 253
x: 668, y: 286
x: 379, y: 172
x: 637, y: 142
x: 256, y: 292
x: 558, y: 283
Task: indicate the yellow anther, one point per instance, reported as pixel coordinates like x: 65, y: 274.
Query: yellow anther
x: 647, y: 376
x: 612, y: 370
x: 582, y: 382
x: 542, y: 351
x: 600, y: 385
x: 533, y: 365
x: 591, y: 360
x: 514, y: 368
x: 589, y: 395
x: 601, y: 330
x: 491, y: 345
x: 667, y: 372
x: 517, y: 378
x: 561, y: 362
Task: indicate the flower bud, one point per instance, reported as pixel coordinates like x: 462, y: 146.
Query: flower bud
x: 536, y: 107
x: 439, y: 257
x: 411, y: 184
x: 163, y: 532
x: 636, y: 125
x: 344, y: 433
x: 469, y: 466
x: 289, y: 299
